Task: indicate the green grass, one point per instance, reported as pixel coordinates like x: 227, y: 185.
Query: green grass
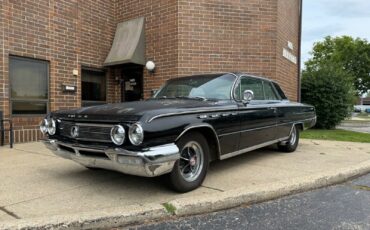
x: 336, y: 135
x: 169, y: 208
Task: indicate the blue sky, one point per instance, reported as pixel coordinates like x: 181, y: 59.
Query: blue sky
x: 333, y: 17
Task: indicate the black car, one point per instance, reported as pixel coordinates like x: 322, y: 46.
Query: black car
x: 189, y: 122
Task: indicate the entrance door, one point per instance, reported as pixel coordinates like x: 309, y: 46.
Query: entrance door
x: 132, y: 82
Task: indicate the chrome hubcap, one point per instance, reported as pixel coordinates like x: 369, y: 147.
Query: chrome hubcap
x: 293, y: 137
x: 191, y: 161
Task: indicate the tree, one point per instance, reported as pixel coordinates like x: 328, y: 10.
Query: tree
x: 330, y: 90
x: 352, y: 55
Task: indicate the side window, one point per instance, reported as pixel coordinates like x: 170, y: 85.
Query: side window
x: 280, y: 91
x: 269, y: 91
x: 253, y: 84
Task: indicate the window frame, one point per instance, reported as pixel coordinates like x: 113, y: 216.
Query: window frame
x: 11, y: 100
x: 86, y: 103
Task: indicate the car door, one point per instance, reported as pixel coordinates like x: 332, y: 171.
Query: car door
x: 257, y: 118
x: 285, y: 113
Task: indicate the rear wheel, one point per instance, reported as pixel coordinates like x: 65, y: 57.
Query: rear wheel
x: 191, y: 169
x: 291, y: 144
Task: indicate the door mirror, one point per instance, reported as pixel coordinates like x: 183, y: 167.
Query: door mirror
x: 248, y: 95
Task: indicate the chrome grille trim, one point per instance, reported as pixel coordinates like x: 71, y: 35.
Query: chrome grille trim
x: 87, y: 131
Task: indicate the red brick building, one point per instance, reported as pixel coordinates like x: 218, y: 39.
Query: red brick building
x: 53, y: 54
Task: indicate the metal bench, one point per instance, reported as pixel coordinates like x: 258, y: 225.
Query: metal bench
x: 3, y: 130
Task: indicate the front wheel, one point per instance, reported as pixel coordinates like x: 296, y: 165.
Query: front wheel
x: 291, y: 144
x: 191, y: 169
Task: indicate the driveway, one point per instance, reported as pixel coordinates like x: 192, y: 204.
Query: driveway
x: 35, y: 183
x: 356, y: 125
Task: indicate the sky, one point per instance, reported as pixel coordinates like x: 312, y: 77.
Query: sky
x: 335, y: 18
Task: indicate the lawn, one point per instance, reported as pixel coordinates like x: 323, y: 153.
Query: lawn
x: 336, y: 135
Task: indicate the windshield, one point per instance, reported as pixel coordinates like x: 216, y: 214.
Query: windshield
x: 204, y: 87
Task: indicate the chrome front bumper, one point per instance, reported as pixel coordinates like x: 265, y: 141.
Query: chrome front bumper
x: 148, y: 162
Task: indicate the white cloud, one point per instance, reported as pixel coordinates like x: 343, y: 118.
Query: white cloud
x: 335, y: 18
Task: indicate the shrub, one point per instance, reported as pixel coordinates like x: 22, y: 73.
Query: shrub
x: 330, y: 90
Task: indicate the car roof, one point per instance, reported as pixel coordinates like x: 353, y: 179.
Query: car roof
x: 238, y: 74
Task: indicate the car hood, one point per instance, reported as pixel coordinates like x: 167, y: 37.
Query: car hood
x: 134, y: 111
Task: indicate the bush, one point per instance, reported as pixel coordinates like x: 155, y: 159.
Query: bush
x: 330, y: 90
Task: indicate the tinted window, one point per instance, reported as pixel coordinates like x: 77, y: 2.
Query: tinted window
x: 253, y: 84
x: 29, y: 85
x: 269, y: 91
x: 280, y: 91
x: 211, y: 87
x: 93, y: 87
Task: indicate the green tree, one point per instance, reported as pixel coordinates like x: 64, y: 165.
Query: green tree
x: 330, y: 90
x: 352, y: 55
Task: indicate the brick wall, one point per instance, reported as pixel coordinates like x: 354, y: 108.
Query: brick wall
x: 220, y: 36
x: 183, y: 37
x: 287, y: 30
x: 244, y: 36
x: 68, y: 34
x: 161, y: 36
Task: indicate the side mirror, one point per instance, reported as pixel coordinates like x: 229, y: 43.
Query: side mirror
x: 248, y: 95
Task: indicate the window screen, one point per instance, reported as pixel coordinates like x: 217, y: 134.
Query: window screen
x: 29, y: 85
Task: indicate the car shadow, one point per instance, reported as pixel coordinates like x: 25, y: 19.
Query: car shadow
x: 123, y: 182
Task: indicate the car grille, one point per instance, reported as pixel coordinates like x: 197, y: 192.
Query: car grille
x: 87, y: 132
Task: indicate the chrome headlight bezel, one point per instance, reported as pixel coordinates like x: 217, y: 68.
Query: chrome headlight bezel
x: 136, y: 134
x: 44, y: 126
x: 52, y: 126
x: 115, y: 131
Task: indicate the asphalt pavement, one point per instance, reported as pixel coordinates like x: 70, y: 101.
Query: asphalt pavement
x: 344, y: 206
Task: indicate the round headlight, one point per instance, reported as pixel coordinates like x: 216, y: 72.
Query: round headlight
x: 52, y: 127
x: 117, y: 134
x: 136, y: 134
x: 44, y: 126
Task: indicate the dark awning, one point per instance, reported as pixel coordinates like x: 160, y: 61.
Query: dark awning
x: 128, y: 44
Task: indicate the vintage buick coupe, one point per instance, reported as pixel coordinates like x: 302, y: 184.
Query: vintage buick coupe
x: 189, y: 122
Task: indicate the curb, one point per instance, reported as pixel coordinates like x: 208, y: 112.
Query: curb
x: 264, y: 192
x: 135, y: 214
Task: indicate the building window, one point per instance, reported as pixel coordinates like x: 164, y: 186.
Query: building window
x: 29, y: 92
x: 93, y: 87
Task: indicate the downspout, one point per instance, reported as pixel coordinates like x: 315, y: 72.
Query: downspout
x: 299, y: 51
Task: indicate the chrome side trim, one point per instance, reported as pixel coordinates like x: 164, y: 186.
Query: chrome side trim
x: 232, y: 154
x: 189, y: 112
x: 202, y: 126
x: 269, y: 126
x: 228, y: 155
